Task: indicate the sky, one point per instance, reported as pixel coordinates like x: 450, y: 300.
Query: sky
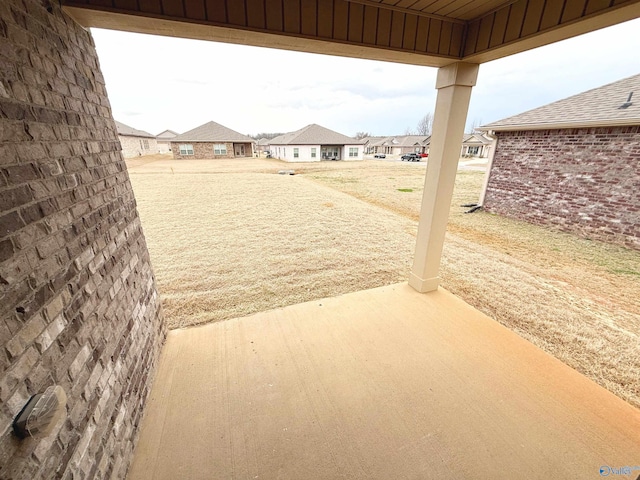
x: 156, y: 83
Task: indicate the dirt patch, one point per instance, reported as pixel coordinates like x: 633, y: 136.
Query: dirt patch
x: 232, y: 237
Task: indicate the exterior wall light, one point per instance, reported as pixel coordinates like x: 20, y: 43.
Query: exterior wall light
x: 41, y: 413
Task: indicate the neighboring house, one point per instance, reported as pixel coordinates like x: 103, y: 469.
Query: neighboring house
x: 135, y: 143
x: 262, y: 146
x: 475, y: 145
x: 164, y: 140
x: 397, y: 145
x: 574, y: 164
x: 314, y: 143
x: 211, y: 140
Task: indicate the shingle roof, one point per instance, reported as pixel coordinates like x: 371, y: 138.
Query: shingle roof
x: 212, y: 132
x: 167, y: 134
x: 402, y: 140
x: 475, y: 138
x: 597, y: 107
x: 127, y: 131
x: 314, y: 135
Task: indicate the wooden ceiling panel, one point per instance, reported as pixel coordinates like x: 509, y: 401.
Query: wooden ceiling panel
x: 500, y: 19
x: 515, y: 21
x: 370, y: 26
x: 397, y: 30
x: 573, y: 10
x: 256, y: 14
x: 356, y: 22
x: 216, y: 11
x: 410, y: 33
x: 309, y: 12
x: 421, y: 32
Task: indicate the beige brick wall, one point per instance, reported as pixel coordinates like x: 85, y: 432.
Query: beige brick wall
x: 137, y: 146
x: 584, y: 181
x: 79, y: 307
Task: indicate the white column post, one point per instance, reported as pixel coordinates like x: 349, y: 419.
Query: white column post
x: 454, y: 84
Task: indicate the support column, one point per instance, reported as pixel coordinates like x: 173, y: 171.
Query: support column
x: 454, y: 83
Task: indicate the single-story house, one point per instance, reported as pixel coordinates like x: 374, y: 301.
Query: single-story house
x: 164, y: 140
x: 398, y: 145
x: 211, y: 140
x: 574, y: 163
x: 476, y: 145
x: 314, y: 143
x: 135, y: 143
x: 262, y: 146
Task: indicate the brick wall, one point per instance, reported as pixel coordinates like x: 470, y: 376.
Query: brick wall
x: 133, y: 147
x: 585, y: 181
x: 78, y: 303
x: 202, y: 151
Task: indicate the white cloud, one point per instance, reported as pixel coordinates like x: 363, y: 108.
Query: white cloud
x: 156, y: 83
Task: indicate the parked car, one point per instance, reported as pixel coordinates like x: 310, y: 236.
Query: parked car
x: 379, y: 155
x: 423, y: 155
x: 410, y: 157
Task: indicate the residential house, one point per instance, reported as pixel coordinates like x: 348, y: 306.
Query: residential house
x: 135, y: 143
x: 164, y: 140
x: 314, y: 143
x: 574, y: 164
x: 398, y: 145
x: 262, y: 146
x: 476, y: 145
x: 211, y: 140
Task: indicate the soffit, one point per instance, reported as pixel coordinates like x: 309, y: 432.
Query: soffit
x: 421, y: 32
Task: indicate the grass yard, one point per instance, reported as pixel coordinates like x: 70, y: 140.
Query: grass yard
x: 230, y: 238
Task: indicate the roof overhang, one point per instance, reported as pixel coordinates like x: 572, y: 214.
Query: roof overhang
x: 437, y: 34
x: 559, y: 126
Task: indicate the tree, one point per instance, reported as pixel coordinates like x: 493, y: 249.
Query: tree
x: 425, y: 124
x: 361, y: 135
x: 409, y: 131
x: 473, y: 126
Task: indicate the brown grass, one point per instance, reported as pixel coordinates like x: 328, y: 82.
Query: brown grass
x: 229, y: 238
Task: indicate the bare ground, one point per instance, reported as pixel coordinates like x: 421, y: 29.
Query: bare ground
x: 229, y: 238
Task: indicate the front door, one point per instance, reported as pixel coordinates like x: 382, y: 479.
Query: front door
x: 239, y: 150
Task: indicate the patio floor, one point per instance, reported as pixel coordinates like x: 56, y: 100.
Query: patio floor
x: 379, y: 384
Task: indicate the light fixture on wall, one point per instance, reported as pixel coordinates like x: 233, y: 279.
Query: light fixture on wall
x: 41, y: 413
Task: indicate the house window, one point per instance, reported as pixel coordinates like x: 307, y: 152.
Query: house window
x: 186, y: 149
x: 473, y: 150
x: 146, y: 144
x: 313, y: 153
x: 220, y: 149
x: 353, y: 152
x: 296, y: 153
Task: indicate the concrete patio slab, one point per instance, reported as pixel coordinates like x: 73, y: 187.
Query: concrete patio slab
x: 379, y: 384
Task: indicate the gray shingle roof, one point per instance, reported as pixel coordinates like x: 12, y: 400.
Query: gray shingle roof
x: 314, y: 135
x: 166, y: 135
x: 127, y: 131
x: 212, y: 132
x: 597, y: 107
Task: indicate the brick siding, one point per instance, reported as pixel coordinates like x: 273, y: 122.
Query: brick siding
x: 78, y: 302
x: 133, y: 147
x: 585, y: 181
x: 204, y: 150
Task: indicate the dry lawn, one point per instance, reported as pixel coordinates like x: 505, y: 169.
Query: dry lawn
x: 229, y: 238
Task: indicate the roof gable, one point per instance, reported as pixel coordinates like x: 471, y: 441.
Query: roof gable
x: 127, y: 131
x: 212, y: 132
x: 167, y: 134
x: 597, y: 107
x: 314, y: 135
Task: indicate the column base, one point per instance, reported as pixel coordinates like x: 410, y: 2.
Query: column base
x: 423, y: 285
